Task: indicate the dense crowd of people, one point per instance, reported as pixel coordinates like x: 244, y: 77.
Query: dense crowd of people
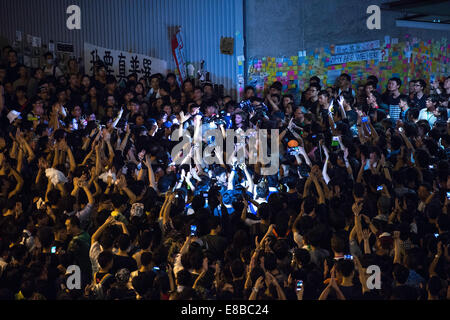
x: 87, y: 179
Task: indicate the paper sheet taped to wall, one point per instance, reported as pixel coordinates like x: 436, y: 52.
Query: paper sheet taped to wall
x: 358, y: 56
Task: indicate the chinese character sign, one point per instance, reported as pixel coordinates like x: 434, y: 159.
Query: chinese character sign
x: 351, y: 48
x: 121, y: 63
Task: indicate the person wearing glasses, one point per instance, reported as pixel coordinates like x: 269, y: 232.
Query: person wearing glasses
x: 420, y: 97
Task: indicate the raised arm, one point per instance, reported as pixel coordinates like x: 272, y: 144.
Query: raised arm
x: 325, y: 166
x: 307, y: 186
x: 110, y: 149
x: 273, y: 280
x: 125, y: 139
x: 166, y: 214
x: 88, y: 193
x: 319, y: 189
x: 151, y: 175
x: 397, y: 250
x: 116, y: 121
x: 124, y: 187
x: 347, y: 164
x: 357, y: 207
x: 249, y: 178
x: 96, y: 236
x: 366, y: 236
x: 25, y: 144
x: 19, y: 160
x: 231, y: 179
x: 20, y: 183
x: 341, y: 107
x: 361, y: 275
x: 98, y: 163
x: 305, y: 155
x: 71, y: 157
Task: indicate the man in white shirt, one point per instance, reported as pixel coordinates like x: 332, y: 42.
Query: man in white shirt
x: 429, y: 113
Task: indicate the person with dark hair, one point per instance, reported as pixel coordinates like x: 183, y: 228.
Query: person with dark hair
x: 311, y: 102
x: 404, y: 109
x: 359, y: 182
x: 103, y: 279
x: 419, y: 100
x: 374, y: 80
x: 50, y: 68
x: 12, y: 68
x: 400, y: 275
x: 146, y: 270
x: 345, y: 84
x: 173, y: 83
x: 78, y: 248
x: 122, y: 259
x: 429, y: 112
x: 391, y: 98
x: 345, y: 271
x: 214, y: 242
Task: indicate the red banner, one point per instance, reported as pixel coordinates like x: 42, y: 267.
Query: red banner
x: 178, y: 55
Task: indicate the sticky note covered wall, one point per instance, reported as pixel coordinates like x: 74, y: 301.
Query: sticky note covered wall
x: 408, y: 58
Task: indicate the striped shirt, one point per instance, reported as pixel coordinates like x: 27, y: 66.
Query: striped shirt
x: 394, y: 112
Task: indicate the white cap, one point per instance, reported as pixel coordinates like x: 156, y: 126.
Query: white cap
x: 13, y: 115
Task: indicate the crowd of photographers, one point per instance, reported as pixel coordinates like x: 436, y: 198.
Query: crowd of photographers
x: 96, y: 205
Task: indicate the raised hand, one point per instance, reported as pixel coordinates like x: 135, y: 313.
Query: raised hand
x: 331, y: 105
x: 366, y: 234
x: 357, y: 207
x: 333, y: 282
x: 259, y: 283
x: 63, y: 145
x: 346, y: 153
x: 147, y: 161
x: 141, y: 155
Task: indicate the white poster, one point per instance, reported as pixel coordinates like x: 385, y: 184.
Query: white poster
x: 121, y: 63
x: 362, y: 46
x: 358, y: 56
x: 51, y: 46
x: 18, y: 35
x: 36, y: 42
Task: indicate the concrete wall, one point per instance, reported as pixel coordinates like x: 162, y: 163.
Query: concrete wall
x: 283, y: 27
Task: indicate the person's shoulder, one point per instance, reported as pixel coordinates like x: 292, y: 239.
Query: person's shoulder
x: 85, y: 236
